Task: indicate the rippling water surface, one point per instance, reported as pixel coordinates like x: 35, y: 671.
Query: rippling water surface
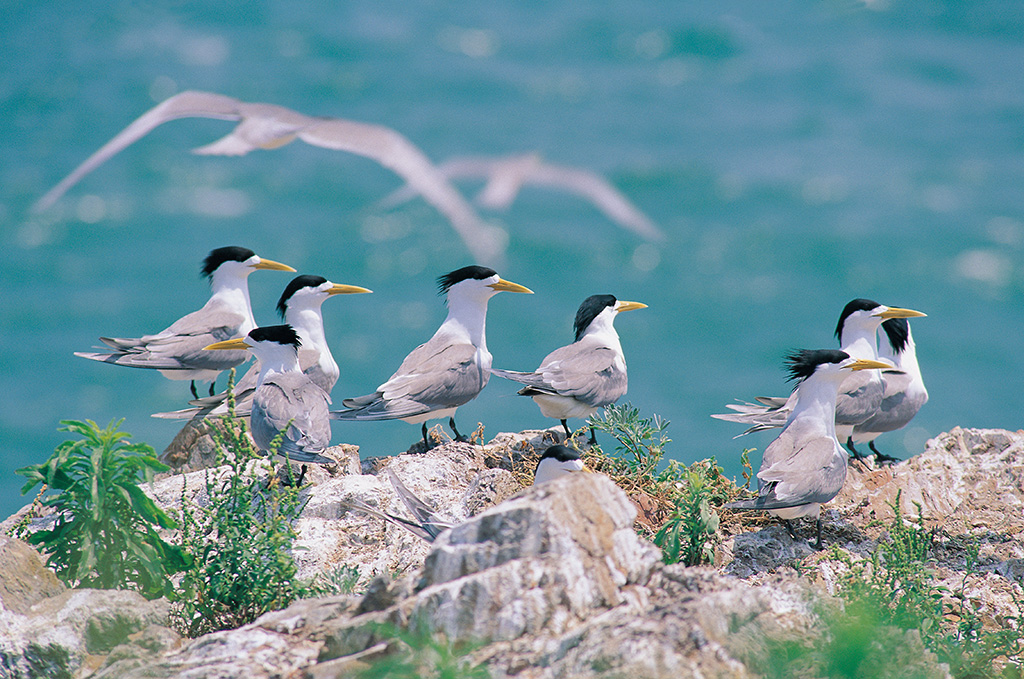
x: 797, y: 154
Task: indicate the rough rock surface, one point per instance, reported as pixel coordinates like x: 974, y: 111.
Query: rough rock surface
x: 552, y: 581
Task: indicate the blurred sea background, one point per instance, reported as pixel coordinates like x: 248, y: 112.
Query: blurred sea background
x: 797, y: 154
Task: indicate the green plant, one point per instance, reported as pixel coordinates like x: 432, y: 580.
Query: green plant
x: 340, y: 580
x: 104, y: 536
x: 240, y: 542
x: 688, y: 534
x: 421, y: 655
x: 640, y: 441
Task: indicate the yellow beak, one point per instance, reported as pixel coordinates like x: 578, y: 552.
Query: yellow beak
x: 271, y: 264
x: 508, y: 286
x: 896, y: 312
x: 339, y: 289
x: 622, y: 305
x: 864, y: 364
x: 237, y: 343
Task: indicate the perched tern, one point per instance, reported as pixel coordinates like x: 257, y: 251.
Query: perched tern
x: 450, y: 369
x: 805, y: 466
x: 299, y: 307
x: 556, y: 462
x: 578, y: 379
x: 903, y: 390
x: 507, y: 175
x: 861, y: 394
x: 267, y: 126
x: 177, y: 352
x: 284, y: 396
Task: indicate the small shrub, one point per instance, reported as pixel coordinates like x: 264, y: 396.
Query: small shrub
x: 240, y: 543
x: 421, y: 655
x: 688, y: 534
x: 104, y: 536
x: 340, y: 580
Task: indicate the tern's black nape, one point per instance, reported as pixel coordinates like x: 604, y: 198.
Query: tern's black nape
x: 480, y: 273
x: 802, y: 364
x: 852, y: 307
x: 296, y: 284
x: 281, y: 334
x: 589, y: 310
x: 898, y: 331
x: 230, y: 253
x: 560, y: 453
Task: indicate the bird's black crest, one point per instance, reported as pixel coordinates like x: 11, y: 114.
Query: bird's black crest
x: 282, y: 334
x: 588, y: 311
x: 445, y: 282
x: 561, y: 454
x: 802, y: 364
x: 296, y: 284
x: 851, y: 307
x: 898, y: 331
x: 231, y: 253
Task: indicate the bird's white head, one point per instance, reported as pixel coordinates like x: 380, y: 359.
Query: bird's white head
x: 556, y: 462
x: 309, y: 292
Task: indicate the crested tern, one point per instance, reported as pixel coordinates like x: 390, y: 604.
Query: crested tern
x: 300, y: 307
x: 177, y: 352
x: 267, y: 126
x: 556, y: 462
x: 284, y: 398
x: 507, y: 175
x: 447, y: 371
x: 903, y: 390
x: 861, y: 393
x: 805, y: 466
x: 578, y: 379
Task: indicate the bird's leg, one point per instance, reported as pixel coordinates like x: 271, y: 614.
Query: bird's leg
x: 302, y: 475
x: 192, y: 386
x: 593, y: 438
x: 212, y: 385
x: 565, y: 426
x: 818, y: 546
x: 426, y: 441
x: 789, y: 528
x: 458, y: 437
x: 853, y: 451
x: 881, y: 457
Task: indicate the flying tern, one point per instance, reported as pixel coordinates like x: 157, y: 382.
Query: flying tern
x: 267, y: 126
x: 507, y: 175
x: 578, y: 379
x: 450, y: 369
x: 284, y: 398
x: 805, y: 466
x: 903, y: 390
x: 299, y: 307
x: 177, y: 352
x: 861, y: 394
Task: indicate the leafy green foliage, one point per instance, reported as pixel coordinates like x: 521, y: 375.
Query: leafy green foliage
x: 688, y: 534
x: 420, y: 655
x: 340, y: 580
x: 639, y: 441
x: 240, y: 542
x: 889, y: 596
x: 105, y: 535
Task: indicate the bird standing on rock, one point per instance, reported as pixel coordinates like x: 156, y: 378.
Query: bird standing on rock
x: 447, y: 371
x: 299, y: 307
x: 284, y: 399
x: 805, y: 466
x: 578, y: 379
x: 177, y: 352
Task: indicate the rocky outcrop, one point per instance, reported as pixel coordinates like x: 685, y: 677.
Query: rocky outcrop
x: 541, y: 582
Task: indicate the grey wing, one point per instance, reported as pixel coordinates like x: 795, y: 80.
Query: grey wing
x: 859, y: 397
x: 589, y: 374
x: 898, y: 406
x: 398, y: 154
x: 803, y: 467
x: 424, y: 513
x: 601, y: 193
x: 291, y: 397
x: 470, y: 167
x: 189, y: 104
x: 435, y: 375
x: 411, y: 526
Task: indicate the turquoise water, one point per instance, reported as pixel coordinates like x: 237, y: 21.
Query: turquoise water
x: 798, y: 155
